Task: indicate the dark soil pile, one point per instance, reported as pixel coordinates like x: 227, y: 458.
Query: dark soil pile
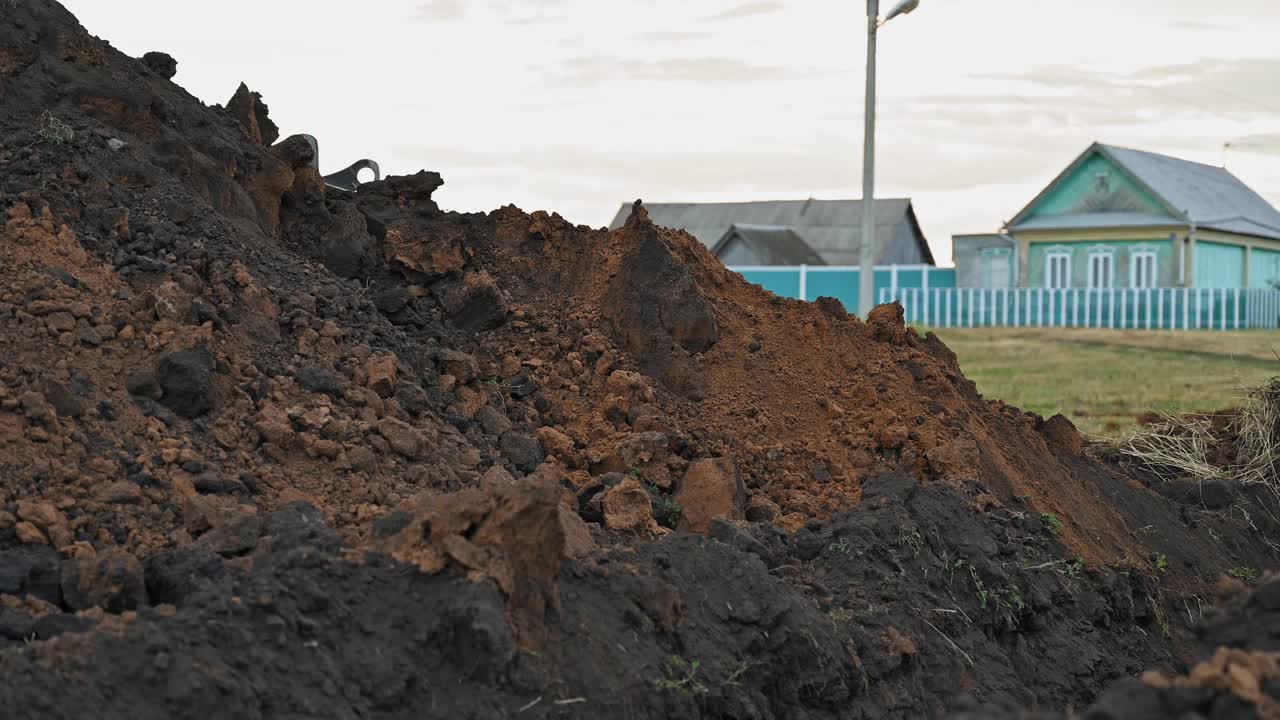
x: 270, y: 450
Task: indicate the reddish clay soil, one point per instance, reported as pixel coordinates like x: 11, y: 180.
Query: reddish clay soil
x: 273, y: 450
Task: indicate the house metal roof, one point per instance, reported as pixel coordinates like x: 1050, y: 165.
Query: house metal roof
x: 1211, y: 197
x: 827, y: 226
x: 771, y: 245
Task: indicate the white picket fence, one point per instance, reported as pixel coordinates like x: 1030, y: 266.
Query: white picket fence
x: 1119, y: 308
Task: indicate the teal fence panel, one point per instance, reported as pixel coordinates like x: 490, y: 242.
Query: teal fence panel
x: 779, y: 282
x: 1113, y: 308
x: 841, y: 282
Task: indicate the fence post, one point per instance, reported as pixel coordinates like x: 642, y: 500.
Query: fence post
x: 946, y: 315
x: 1124, y: 309
x: 924, y: 283
x: 804, y: 278
x: 1186, y: 308
x: 893, y: 279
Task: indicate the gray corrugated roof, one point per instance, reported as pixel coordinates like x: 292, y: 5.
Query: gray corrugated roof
x: 830, y: 227
x: 1094, y: 220
x: 772, y: 245
x: 1209, y: 196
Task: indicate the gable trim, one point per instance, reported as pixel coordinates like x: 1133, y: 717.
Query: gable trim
x: 1084, y: 157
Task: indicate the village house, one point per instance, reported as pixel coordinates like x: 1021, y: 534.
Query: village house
x: 794, y: 232
x: 1122, y: 218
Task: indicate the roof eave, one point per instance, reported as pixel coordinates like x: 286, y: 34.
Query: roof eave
x: 925, y: 251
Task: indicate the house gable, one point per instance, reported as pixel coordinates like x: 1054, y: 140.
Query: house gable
x: 1094, y: 185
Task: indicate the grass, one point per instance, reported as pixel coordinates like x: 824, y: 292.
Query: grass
x: 1104, y: 380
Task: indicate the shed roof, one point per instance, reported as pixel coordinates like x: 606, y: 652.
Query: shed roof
x: 825, y: 225
x: 1211, y: 197
x: 771, y: 244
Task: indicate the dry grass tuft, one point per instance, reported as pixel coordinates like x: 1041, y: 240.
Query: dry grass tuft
x: 1189, y: 446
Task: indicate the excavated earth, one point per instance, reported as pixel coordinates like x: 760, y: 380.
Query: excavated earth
x: 271, y: 450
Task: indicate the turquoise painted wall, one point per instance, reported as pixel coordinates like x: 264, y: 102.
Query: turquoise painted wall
x: 1218, y: 265
x: 1166, y: 262
x: 786, y: 284
x: 1264, y: 268
x: 1123, y: 193
x: 843, y: 284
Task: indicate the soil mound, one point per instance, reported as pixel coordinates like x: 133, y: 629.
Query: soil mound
x: 271, y: 449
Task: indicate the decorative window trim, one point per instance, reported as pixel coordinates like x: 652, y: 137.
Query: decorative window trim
x: 1049, y: 257
x: 1135, y: 260
x: 1110, y: 256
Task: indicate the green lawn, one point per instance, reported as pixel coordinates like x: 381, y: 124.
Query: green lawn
x: 1104, y: 379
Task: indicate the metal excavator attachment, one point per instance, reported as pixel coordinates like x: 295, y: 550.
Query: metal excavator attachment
x: 347, y: 179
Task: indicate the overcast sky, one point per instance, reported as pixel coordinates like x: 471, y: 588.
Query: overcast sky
x: 579, y: 105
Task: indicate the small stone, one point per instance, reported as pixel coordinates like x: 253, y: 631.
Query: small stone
x: 710, y: 489
x: 893, y: 437
x: 112, y: 580
x: 29, y: 534
x: 44, y: 515
x: 161, y: 64
x: 761, y: 509
x: 35, y: 407
x: 186, y: 379
x: 556, y: 443
x: 318, y: 379
x: 523, y: 451
x: 403, y: 438
x: 628, y: 508
x: 382, y: 375
x: 119, y: 493
x: 494, y: 421
x: 462, y: 366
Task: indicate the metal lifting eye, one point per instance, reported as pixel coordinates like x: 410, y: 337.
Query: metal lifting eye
x: 347, y: 179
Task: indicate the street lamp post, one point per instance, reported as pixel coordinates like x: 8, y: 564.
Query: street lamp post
x: 866, y: 254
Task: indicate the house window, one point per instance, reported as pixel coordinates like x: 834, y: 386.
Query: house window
x: 1101, y: 270
x: 1142, y: 269
x: 1057, y: 270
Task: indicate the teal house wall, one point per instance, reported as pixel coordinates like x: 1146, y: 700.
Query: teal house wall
x: 1121, y: 250
x: 1218, y: 265
x: 1264, y: 269
x: 1082, y: 192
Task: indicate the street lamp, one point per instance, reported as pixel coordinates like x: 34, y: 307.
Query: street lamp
x: 866, y: 278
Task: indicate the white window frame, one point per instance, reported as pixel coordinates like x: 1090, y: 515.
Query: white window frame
x: 1109, y: 260
x: 1136, y: 259
x: 1050, y: 259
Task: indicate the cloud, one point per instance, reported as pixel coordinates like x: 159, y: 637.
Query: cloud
x: 671, y: 37
x: 748, y: 10
x: 1228, y: 89
x: 586, y: 71
x: 1258, y: 144
x: 441, y: 10
x: 523, y: 13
